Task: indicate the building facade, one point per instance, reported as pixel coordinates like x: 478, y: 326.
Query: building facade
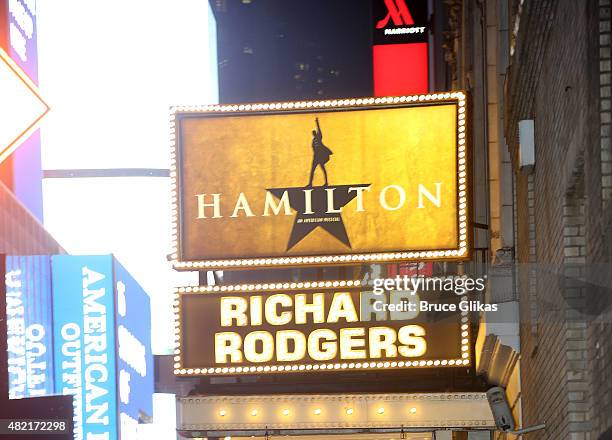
x: 546, y: 65
x: 20, y: 232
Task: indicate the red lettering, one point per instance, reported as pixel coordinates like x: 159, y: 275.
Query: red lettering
x: 398, y: 12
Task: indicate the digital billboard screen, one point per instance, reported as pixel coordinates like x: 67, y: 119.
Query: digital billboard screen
x: 29, y: 326
x: 400, y: 21
x: 81, y: 326
x: 23, y: 49
x: 84, y: 342
x: 134, y: 356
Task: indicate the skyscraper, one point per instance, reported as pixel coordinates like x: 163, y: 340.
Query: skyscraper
x: 290, y: 50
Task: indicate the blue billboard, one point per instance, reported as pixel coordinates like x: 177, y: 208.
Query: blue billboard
x: 29, y: 326
x: 84, y: 342
x: 81, y: 326
x: 23, y: 49
x: 134, y: 356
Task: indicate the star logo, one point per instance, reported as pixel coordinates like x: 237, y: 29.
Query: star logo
x: 318, y: 207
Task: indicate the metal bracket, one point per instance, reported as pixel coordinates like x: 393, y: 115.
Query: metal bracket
x: 528, y: 429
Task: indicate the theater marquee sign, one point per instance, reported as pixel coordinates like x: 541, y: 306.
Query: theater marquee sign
x: 324, y: 182
x: 317, y: 326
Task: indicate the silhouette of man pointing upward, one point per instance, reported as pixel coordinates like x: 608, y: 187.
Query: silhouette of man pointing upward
x: 320, y: 153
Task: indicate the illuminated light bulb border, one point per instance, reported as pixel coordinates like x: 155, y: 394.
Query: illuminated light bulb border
x: 319, y: 401
x: 461, y: 252
x: 335, y: 407
x: 255, y: 287
x: 179, y: 370
x: 178, y: 359
x: 174, y: 210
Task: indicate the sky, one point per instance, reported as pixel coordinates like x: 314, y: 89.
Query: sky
x: 110, y: 70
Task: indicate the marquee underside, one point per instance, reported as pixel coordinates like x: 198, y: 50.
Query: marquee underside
x: 352, y: 415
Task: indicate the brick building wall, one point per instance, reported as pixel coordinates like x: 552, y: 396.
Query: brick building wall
x: 20, y: 232
x: 560, y: 76
x: 598, y: 180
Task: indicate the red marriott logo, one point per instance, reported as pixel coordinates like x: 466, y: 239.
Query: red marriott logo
x: 398, y: 12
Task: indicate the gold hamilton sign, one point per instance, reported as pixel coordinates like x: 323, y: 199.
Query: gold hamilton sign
x: 324, y: 182
x: 316, y: 326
